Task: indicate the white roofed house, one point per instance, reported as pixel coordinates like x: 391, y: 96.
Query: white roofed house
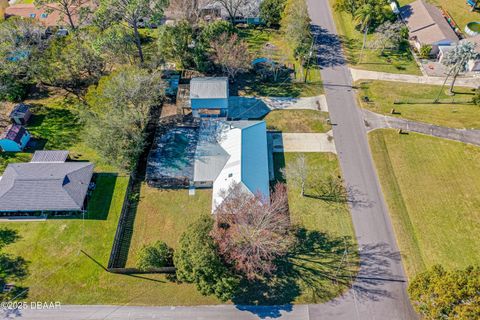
x: 229, y: 153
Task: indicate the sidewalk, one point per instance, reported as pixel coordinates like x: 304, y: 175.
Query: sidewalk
x: 374, y: 75
x: 303, y: 142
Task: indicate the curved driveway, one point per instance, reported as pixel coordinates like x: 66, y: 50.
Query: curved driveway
x: 380, y: 289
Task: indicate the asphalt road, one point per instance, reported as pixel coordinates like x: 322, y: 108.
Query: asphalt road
x: 380, y: 289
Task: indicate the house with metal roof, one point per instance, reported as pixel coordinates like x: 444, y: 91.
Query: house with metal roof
x: 20, y: 114
x: 427, y: 26
x: 230, y: 153
x: 46, y: 186
x: 14, y: 138
x: 209, y: 96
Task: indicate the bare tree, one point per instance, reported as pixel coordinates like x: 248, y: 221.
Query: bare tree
x: 273, y: 66
x: 389, y: 34
x: 329, y: 188
x: 235, y: 8
x: 252, y: 231
x: 185, y: 10
x: 231, y: 54
x: 296, y: 172
x: 73, y: 10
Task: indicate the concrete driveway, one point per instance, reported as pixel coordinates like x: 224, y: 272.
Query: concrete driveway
x: 303, y: 142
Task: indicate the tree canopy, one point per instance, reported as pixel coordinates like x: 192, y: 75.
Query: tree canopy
x: 447, y: 294
x: 198, y: 262
x: 156, y: 255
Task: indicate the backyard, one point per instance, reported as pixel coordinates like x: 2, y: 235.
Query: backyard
x: 286, y: 86
x: 432, y: 188
x: 400, y: 61
x: 324, y: 226
x: 415, y: 102
x: 310, y: 121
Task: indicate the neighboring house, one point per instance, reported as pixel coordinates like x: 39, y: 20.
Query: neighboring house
x: 427, y: 26
x: 232, y: 152
x: 48, y: 19
x: 21, y: 114
x: 48, y: 185
x: 14, y: 138
x: 209, y: 96
x: 472, y: 65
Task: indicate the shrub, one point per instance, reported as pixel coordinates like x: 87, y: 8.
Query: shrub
x: 425, y: 51
x: 476, y: 97
x: 11, y: 89
x: 157, y: 255
x: 271, y: 11
x: 197, y: 261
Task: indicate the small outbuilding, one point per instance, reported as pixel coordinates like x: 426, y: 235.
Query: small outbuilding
x: 209, y: 96
x: 14, y: 138
x: 21, y: 114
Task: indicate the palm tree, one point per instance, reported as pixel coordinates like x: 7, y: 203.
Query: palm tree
x: 364, y: 17
x: 457, y: 60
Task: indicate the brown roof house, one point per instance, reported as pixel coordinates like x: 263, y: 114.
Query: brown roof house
x: 49, y: 18
x: 14, y: 138
x: 427, y: 26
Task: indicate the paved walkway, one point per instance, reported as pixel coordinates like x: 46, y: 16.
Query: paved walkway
x: 377, y: 121
x: 303, y: 142
x: 374, y: 75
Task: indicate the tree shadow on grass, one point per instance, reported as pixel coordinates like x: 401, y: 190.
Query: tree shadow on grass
x: 12, y: 268
x: 319, y: 268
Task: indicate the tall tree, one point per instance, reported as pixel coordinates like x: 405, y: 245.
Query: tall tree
x: 457, y: 60
x: 118, y: 114
x: 252, y: 231
x: 390, y: 34
x: 234, y: 8
x: 271, y: 11
x: 69, y: 63
x: 132, y: 12
x: 231, y: 54
x: 197, y: 261
x: 447, y: 294
x: 176, y: 43
x: 73, y: 10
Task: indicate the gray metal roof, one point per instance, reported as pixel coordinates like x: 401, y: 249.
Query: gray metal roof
x: 19, y: 110
x: 209, y: 88
x: 49, y: 156
x: 44, y: 186
x: 210, y: 157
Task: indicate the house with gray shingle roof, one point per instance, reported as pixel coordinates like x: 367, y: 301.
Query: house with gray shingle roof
x: 45, y: 186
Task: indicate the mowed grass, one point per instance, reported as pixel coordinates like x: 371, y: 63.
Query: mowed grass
x: 332, y: 221
x: 60, y: 271
x: 164, y: 215
x: 459, y: 10
x: 417, y: 103
x: 432, y: 187
x: 56, y: 125
x: 298, y: 121
x: 400, y: 61
x: 286, y: 86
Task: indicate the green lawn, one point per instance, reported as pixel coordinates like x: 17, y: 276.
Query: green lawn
x: 400, y: 61
x: 432, y: 187
x: 332, y: 221
x: 287, y: 86
x: 55, y: 125
x: 298, y: 121
x: 59, y: 271
x: 419, y: 106
x: 164, y: 215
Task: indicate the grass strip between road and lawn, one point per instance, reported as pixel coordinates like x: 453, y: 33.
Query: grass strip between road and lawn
x: 304, y: 121
x: 415, y: 102
x: 432, y: 188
